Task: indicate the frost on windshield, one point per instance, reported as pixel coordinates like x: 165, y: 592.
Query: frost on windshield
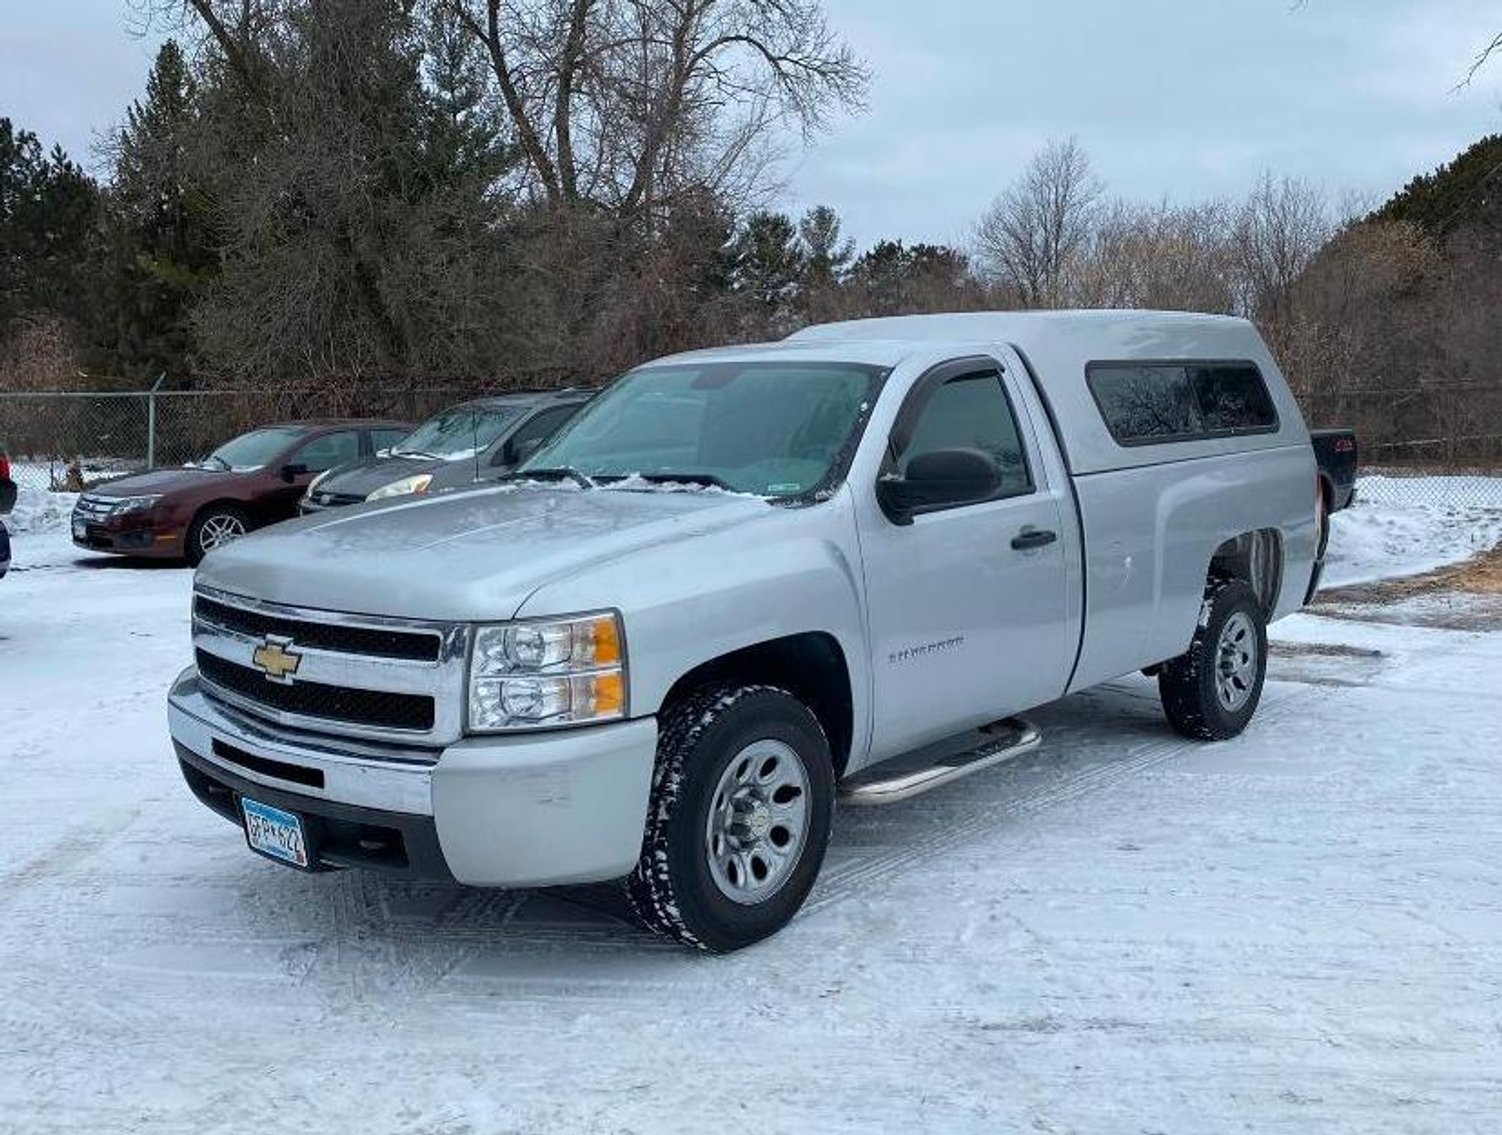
x: 765, y: 429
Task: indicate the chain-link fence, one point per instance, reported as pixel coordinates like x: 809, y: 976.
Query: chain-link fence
x: 1421, y: 442
x: 66, y: 442
x: 1437, y: 486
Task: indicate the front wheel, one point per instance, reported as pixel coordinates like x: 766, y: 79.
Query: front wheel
x: 1211, y: 691
x: 213, y: 528
x: 742, y: 802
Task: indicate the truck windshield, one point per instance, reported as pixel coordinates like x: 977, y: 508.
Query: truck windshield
x: 457, y: 433
x: 772, y: 429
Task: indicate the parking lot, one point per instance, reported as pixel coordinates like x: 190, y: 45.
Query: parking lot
x: 1299, y: 930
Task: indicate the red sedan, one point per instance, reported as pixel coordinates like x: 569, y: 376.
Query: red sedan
x: 254, y: 480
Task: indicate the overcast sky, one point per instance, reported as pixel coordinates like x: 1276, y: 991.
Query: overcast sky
x: 1183, y: 98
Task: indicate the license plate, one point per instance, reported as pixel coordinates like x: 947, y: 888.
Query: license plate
x: 274, y: 832
x: 80, y: 530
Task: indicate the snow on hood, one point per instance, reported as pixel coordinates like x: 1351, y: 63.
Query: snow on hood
x: 467, y: 555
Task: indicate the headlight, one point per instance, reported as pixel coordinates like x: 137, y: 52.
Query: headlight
x: 134, y: 504
x: 417, y: 484
x: 536, y: 675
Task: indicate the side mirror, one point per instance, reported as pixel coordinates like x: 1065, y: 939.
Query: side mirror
x: 526, y: 449
x: 943, y: 477
x: 291, y: 473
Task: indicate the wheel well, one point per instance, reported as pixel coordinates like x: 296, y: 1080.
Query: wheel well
x: 1255, y: 558
x: 809, y: 666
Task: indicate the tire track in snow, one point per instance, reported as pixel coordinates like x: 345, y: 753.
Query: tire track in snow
x: 62, y: 854
x: 983, y: 815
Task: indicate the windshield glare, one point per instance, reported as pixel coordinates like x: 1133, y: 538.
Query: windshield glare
x: 253, y: 450
x: 453, y: 434
x: 773, y: 429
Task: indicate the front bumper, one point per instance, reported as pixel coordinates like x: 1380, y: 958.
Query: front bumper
x: 311, y: 505
x: 534, y: 810
x: 129, y: 536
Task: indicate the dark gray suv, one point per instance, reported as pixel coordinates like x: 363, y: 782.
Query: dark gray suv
x: 466, y: 444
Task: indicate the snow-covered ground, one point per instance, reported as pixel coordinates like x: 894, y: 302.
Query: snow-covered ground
x: 1298, y: 931
x: 1407, y: 525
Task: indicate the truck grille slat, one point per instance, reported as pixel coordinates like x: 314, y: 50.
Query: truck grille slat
x: 384, y: 709
x: 413, y: 646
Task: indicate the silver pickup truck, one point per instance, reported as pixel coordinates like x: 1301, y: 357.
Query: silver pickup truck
x: 745, y: 583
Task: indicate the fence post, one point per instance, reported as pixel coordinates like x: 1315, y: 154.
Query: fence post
x: 151, y: 420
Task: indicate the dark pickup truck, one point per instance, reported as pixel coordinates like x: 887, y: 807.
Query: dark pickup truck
x: 1335, y: 450
x: 7, y: 502
x: 1335, y: 455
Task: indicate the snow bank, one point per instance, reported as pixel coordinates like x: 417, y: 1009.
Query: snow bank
x: 39, y: 510
x: 1409, y: 525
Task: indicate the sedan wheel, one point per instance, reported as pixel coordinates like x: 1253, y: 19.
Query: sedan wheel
x: 214, y: 529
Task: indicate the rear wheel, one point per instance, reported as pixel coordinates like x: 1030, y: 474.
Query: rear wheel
x: 212, y: 528
x: 742, y: 801
x: 1211, y: 691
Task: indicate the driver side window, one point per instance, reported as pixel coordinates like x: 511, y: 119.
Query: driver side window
x: 972, y: 411
x: 324, y: 453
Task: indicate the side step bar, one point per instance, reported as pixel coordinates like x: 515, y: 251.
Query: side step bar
x: 902, y: 778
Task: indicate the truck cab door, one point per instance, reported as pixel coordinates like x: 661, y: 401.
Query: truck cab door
x: 966, y: 599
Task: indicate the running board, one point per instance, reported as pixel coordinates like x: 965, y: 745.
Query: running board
x: 922, y: 771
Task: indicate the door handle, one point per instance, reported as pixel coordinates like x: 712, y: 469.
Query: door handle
x: 1031, y: 537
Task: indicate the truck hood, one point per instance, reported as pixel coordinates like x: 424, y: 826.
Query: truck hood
x: 464, y: 556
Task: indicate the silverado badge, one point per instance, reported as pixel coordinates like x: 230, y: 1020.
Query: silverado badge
x: 276, y: 659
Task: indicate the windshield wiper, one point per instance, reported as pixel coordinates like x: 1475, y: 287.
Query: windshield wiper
x: 418, y: 453
x: 708, y: 480
x: 223, y: 464
x: 557, y: 473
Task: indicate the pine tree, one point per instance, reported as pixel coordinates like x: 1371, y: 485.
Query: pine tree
x: 48, y: 230
x: 1465, y: 193
x: 768, y: 262
x: 163, y: 247
x: 825, y: 254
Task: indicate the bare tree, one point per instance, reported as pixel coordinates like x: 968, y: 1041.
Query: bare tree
x: 1166, y: 257
x: 1483, y: 56
x: 623, y: 104
x: 1280, y: 228
x: 1032, y: 230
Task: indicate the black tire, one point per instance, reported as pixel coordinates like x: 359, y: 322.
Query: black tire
x: 673, y: 891
x: 1190, y: 684
x: 193, y: 544
x: 1322, y: 516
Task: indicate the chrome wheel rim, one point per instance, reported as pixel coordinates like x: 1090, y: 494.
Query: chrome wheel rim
x: 220, y: 530
x: 1236, y: 662
x: 758, y: 822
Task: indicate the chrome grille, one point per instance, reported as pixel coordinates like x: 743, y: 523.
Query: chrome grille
x: 362, y: 676
x: 336, y: 500
x: 92, y: 507
x: 409, y: 712
x: 383, y: 642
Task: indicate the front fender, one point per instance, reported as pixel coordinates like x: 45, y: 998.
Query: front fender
x: 792, y: 571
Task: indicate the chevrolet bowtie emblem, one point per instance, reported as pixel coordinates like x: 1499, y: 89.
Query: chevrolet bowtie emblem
x: 276, y: 659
